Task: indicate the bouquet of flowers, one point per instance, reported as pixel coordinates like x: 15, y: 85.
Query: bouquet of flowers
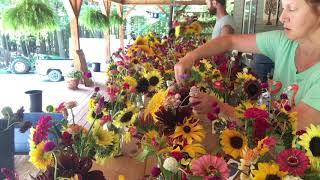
x: 63, y: 150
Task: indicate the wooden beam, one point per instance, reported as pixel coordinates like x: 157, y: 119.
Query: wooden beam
x: 121, y: 28
x: 129, y: 11
x: 160, y: 2
x: 73, y: 8
x: 105, y: 6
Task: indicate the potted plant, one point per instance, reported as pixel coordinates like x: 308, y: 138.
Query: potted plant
x: 74, y: 79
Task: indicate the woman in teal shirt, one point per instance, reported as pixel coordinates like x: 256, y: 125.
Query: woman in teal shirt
x: 295, y: 52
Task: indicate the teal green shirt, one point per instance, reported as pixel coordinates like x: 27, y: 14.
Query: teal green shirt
x: 282, y: 51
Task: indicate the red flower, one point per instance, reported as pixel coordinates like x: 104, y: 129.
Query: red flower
x: 42, y: 127
x: 66, y: 138
x: 177, y: 155
x: 294, y: 161
x: 260, y: 127
x: 255, y: 113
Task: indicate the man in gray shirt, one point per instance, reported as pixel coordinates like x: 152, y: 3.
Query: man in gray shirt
x: 224, y: 23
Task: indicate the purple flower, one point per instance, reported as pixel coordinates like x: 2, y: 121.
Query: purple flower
x: 96, y: 89
x: 49, y: 146
x: 88, y: 74
x: 264, y: 85
x: 284, y: 96
x: 155, y: 171
x: 9, y: 174
x: 287, y: 107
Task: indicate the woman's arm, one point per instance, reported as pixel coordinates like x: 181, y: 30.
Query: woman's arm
x: 306, y: 115
x: 243, y: 43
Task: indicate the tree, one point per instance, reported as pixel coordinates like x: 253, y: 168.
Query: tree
x: 270, y: 8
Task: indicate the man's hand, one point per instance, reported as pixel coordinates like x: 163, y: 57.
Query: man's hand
x: 182, y: 68
x: 202, y: 103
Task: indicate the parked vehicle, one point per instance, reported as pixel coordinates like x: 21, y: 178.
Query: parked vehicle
x: 55, y: 68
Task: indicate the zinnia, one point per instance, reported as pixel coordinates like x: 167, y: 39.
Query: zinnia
x: 210, y: 166
x: 294, y: 161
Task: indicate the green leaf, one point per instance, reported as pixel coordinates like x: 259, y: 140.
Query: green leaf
x: 195, y: 178
x: 145, y: 153
x: 195, y: 76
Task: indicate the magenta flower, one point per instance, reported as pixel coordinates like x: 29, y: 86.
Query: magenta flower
x: 210, y: 166
x: 96, y: 89
x: 88, y: 74
x: 294, y: 161
x: 49, y: 146
x: 155, y: 172
x: 66, y: 138
x: 42, y: 127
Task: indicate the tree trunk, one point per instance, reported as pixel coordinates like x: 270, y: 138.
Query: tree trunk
x: 4, y: 42
x: 60, y: 43
x: 23, y: 47
x: 170, y: 17
x: 50, y: 43
x: 56, y: 44
x: 8, y: 42
x: 269, y: 19
x: 43, y: 48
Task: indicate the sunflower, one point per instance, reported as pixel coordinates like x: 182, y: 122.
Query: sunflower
x: 197, y: 28
x: 191, y: 149
x: 268, y: 171
x: 132, y: 82
x: 311, y: 143
x: 151, y: 135
x: 91, y: 116
x: 245, y: 76
x: 233, y: 143
x: 92, y: 103
x: 155, y: 103
x: 140, y: 40
x: 253, y: 89
x: 143, y: 85
x: 126, y: 117
x: 102, y: 137
x: 190, y: 130
x: 155, y: 80
x: 39, y: 158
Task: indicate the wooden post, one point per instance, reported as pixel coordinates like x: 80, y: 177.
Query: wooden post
x: 121, y: 28
x: 105, y: 6
x: 73, y: 8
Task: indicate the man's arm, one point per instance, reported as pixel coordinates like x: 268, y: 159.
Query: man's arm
x: 226, y: 30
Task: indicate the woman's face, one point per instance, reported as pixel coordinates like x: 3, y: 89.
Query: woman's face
x: 298, y: 19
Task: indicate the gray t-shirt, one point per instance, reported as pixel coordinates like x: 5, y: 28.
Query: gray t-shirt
x: 225, y: 20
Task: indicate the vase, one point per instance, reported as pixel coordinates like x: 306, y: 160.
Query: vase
x: 73, y: 83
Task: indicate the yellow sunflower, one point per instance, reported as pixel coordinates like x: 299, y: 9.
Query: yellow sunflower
x: 140, y: 40
x: 155, y: 103
x: 39, y: 158
x: 155, y: 80
x: 126, y: 117
x: 92, y: 103
x: 150, y: 135
x: 103, y: 137
x: 132, y: 82
x: 268, y: 171
x: 233, y: 143
x: 190, y: 130
x: 311, y: 143
x: 245, y: 76
x: 91, y: 116
x: 194, y: 149
x: 196, y: 26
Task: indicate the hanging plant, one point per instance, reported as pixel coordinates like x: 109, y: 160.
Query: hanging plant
x: 94, y: 20
x: 31, y: 16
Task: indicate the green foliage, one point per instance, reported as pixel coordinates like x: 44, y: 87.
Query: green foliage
x: 29, y: 16
x: 75, y: 74
x: 94, y: 20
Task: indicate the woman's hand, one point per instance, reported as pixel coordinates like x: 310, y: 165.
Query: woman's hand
x: 182, y: 68
x: 202, y: 103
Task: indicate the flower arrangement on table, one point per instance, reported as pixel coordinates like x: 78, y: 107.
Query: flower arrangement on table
x: 63, y: 150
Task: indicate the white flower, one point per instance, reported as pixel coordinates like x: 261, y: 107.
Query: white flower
x: 233, y: 59
x: 292, y: 178
x: 245, y: 70
x: 171, y: 164
x: 235, y: 52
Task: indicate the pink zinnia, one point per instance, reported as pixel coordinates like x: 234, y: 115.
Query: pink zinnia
x: 294, y: 161
x: 42, y: 127
x: 255, y: 113
x: 210, y: 166
x: 270, y: 142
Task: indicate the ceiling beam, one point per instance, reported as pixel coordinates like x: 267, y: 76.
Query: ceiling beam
x: 160, y: 2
